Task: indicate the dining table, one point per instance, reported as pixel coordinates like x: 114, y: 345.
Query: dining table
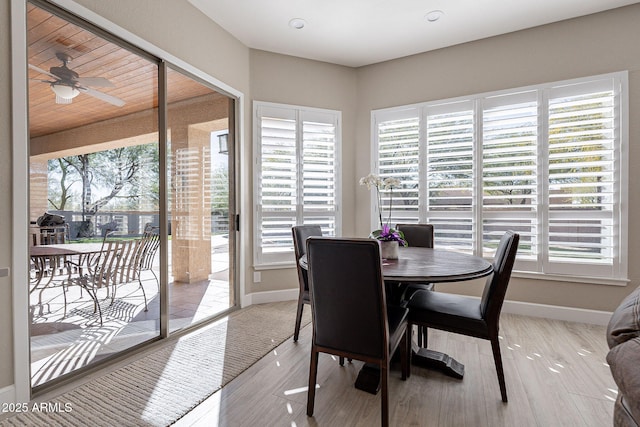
x: 424, y: 265
x: 51, y: 261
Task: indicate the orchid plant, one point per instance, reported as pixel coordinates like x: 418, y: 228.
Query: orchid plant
x: 385, y: 233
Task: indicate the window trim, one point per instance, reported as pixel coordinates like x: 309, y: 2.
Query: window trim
x: 621, y: 163
x: 298, y: 112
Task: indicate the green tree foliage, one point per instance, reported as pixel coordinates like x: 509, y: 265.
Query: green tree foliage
x: 121, y: 178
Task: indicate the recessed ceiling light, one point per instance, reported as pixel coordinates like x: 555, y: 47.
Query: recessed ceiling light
x: 434, y: 15
x: 297, y: 23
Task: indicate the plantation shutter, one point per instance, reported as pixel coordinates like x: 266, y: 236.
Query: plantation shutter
x: 277, y: 183
x: 398, y: 157
x: 583, y: 210
x: 319, y: 172
x: 450, y: 174
x: 297, y: 179
x: 510, y: 171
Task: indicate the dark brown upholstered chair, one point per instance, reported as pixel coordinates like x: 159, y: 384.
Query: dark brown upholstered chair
x: 419, y: 236
x: 350, y: 315
x: 470, y: 316
x: 300, y: 235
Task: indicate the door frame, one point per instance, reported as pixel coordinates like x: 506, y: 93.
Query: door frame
x: 20, y: 391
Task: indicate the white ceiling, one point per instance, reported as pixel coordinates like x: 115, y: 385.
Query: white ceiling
x: 362, y: 32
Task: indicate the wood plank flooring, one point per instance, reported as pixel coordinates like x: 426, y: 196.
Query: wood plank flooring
x: 555, y: 371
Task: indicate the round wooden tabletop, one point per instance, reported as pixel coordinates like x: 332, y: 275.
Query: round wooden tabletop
x: 427, y: 265
x: 434, y: 265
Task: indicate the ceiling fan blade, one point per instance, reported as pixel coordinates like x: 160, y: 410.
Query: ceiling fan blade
x: 40, y: 70
x: 102, y: 96
x: 94, y: 81
x: 42, y: 81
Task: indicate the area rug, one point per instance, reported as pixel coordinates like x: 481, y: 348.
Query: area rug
x: 161, y: 387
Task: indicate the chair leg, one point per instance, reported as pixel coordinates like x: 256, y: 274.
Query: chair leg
x: 64, y: 295
x: 296, y: 332
x: 341, y: 361
x: 144, y: 294
x: 424, y: 336
x: 384, y: 395
x: 405, y: 354
x: 313, y: 373
x: 96, y: 304
x: 495, y: 346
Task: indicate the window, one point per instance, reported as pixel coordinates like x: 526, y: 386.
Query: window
x: 298, y: 176
x: 548, y: 162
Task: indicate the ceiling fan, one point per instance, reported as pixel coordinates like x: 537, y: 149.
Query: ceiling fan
x: 67, y: 84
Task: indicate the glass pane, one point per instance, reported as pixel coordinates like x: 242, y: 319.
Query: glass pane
x: 200, y: 243
x: 94, y: 169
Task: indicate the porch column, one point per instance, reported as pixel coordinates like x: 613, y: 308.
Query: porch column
x: 190, y: 203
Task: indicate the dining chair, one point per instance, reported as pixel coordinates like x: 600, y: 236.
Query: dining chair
x: 96, y: 271
x: 129, y: 265
x: 300, y: 235
x: 350, y: 316
x: 151, y: 244
x: 470, y: 316
x: 421, y: 236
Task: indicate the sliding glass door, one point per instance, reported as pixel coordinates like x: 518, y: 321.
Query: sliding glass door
x: 131, y: 197
x: 201, y: 242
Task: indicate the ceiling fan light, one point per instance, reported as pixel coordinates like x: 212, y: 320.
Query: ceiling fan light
x: 65, y: 92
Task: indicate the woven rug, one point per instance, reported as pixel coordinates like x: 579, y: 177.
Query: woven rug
x: 161, y: 387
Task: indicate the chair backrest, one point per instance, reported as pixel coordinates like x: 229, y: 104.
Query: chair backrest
x: 417, y: 235
x: 151, y: 243
x: 300, y: 235
x: 347, y: 295
x: 496, y: 287
x: 130, y: 253
x: 103, y: 266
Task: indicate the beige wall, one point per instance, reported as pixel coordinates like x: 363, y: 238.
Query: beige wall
x: 596, y: 44
x: 586, y: 46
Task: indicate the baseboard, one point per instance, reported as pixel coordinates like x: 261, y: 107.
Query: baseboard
x: 556, y: 312
x: 8, y: 394
x: 272, y: 296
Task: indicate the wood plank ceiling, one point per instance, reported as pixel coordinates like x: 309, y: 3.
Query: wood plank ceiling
x: 134, y: 78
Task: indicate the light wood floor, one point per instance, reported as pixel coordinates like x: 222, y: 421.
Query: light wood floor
x: 556, y: 375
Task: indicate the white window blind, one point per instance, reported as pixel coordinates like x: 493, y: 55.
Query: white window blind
x: 297, y: 176
x: 449, y: 170
x: 398, y: 142
x: 583, y: 205
x: 509, y: 171
x: 546, y: 161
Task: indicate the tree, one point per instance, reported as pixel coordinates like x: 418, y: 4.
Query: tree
x: 60, y: 196
x: 126, y: 173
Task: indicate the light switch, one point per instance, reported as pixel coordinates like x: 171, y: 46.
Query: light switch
x: 4, y: 271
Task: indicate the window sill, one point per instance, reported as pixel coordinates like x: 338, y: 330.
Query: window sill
x: 574, y: 279
x: 274, y: 266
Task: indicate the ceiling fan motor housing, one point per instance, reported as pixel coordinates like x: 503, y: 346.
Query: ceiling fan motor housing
x: 65, y: 74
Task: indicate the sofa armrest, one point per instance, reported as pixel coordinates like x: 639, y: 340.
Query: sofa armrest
x: 624, y: 324
x: 623, y: 361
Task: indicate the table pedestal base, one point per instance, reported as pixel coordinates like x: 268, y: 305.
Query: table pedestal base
x: 369, y: 376
x: 436, y: 360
